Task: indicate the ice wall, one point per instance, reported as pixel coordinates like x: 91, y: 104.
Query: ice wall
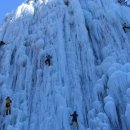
x: 89, y: 71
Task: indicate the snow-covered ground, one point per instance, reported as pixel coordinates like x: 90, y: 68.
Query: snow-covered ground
x: 90, y: 70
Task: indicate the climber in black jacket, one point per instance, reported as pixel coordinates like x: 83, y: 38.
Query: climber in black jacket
x: 66, y: 2
x: 48, y: 60
x: 125, y: 26
x: 2, y: 43
x: 74, y: 119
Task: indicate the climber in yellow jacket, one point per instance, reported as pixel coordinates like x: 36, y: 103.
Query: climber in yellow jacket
x: 8, y: 106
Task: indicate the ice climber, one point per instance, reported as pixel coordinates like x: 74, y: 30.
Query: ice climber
x: 48, y: 60
x: 66, y: 2
x: 119, y: 1
x: 2, y: 43
x: 8, y: 106
x: 74, y: 119
x: 124, y: 26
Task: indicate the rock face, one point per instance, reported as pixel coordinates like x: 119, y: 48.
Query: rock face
x: 89, y: 67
